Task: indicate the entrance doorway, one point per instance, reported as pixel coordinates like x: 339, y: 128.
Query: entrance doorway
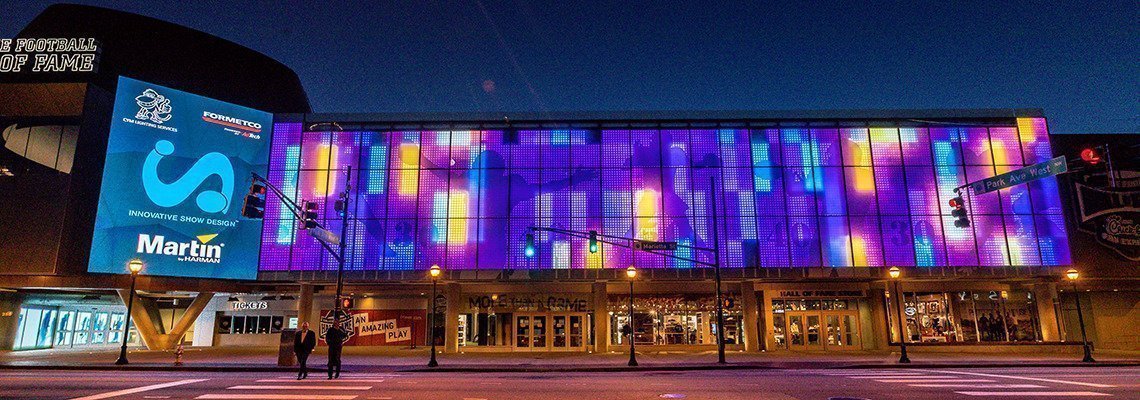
x: 822, y: 330
x: 806, y: 324
x: 550, y: 331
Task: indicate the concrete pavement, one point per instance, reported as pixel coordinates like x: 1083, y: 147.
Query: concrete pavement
x: 360, y: 359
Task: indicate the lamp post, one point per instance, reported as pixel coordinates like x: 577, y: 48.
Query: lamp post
x: 135, y: 266
x: 434, y: 272
x: 1004, y: 314
x: 631, y: 273
x: 1072, y: 274
x: 895, y: 274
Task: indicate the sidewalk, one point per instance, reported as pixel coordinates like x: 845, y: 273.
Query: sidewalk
x: 262, y: 359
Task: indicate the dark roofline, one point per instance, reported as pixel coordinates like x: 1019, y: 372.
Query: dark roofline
x: 604, y: 117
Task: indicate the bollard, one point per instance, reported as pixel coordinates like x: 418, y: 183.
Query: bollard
x: 178, y: 355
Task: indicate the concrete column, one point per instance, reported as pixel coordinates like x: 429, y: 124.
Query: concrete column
x: 451, y: 317
x: 142, y: 317
x: 305, y: 305
x: 752, y: 330
x: 1044, y: 295
x: 601, y: 317
x: 898, y: 306
x: 9, y: 315
x: 875, y: 330
x: 768, y: 330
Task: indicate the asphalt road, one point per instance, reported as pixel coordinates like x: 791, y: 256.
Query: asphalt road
x: 1023, y: 383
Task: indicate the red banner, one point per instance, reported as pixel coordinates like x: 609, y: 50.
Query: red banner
x: 380, y: 327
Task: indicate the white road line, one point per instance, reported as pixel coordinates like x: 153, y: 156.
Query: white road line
x: 309, y: 387
x: 1099, y: 385
x: 139, y: 389
x: 217, y: 396
x: 380, y: 398
x: 338, y: 380
x: 1034, y: 394
x: 902, y: 377
x: 863, y: 372
x: 955, y: 380
x: 978, y: 386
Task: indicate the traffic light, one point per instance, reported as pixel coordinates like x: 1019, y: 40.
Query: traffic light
x: 309, y: 215
x: 1091, y: 155
x: 959, y: 213
x: 346, y: 303
x: 528, y: 251
x: 593, y: 241
x: 341, y: 206
x: 254, y: 206
x: 729, y: 302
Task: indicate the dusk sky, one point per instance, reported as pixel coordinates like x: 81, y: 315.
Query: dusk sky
x: 1079, y: 61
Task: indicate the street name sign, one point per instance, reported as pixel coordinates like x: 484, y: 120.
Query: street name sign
x: 1033, y: 172
x: 324, y: 235
x: 654, y: 246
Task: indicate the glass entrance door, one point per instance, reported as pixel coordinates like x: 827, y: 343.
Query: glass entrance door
x: 522, y: 331
x: 842, y: 331
x: 557, y: 332
x: 816, y: 330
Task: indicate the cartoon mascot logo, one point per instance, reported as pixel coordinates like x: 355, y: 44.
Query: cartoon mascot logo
x: 153, y: 107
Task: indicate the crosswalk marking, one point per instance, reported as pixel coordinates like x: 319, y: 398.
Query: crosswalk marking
x: 954, y: 380
x: 1034, y: 394
x: 978, y: 386
x: 1098, y: 385
x: 306, y: 387
x: 139, y: 389
x: 227, y: 396
x: 338, y: 380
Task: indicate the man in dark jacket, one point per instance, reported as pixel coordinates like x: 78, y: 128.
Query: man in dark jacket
x: 335, y: 338
x: 304, y: 342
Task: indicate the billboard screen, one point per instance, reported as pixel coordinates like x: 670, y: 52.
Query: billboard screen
x: 851, y: 194
x: 177, y: 170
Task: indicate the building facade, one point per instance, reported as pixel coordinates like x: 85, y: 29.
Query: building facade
x: 807, y: 211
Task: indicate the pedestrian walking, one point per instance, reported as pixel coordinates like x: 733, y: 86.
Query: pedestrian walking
x: 335, y: 338
x: 304, y: 341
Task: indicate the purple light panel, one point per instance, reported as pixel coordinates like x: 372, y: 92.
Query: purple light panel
x: 787, y: 197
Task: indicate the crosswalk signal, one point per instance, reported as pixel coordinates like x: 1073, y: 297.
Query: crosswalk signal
x: 254, y: 206
x: 593, y: 241
x: 528, y: 251
x: 346, y: 303
x: 309, y: 215
x: 1091, y: 155
x: 959, y: 213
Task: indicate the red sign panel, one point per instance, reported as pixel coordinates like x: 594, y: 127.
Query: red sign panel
x: 381, y: 327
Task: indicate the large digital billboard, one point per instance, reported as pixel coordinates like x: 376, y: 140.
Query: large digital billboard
x: 838, y: 194
x: 178, y: 166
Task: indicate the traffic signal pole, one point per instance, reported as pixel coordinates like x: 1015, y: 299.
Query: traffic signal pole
x: 298, y: 213
x: 343, y: 231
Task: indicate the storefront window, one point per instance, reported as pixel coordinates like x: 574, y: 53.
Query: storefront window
x: 35, y: 328
x: 968, y: 316
x: 673, y: 320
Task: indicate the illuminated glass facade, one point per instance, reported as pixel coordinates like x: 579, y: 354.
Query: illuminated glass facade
x: 840, y: 194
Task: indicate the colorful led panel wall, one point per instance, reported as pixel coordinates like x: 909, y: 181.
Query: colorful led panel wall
x: 842, y: 196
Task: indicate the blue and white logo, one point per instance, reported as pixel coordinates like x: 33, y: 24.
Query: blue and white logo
x: 171, y: 194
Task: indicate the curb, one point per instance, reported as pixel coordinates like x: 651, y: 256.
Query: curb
x: 553, y: 369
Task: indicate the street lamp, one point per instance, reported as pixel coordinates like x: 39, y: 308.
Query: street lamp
x: 434, y: 272
x: 895, y: 273
x: 631, y: 273
x: 135, y: 266
x: 1072, y: 275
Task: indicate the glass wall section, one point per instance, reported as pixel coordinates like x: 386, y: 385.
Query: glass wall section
x: 852, y: 194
